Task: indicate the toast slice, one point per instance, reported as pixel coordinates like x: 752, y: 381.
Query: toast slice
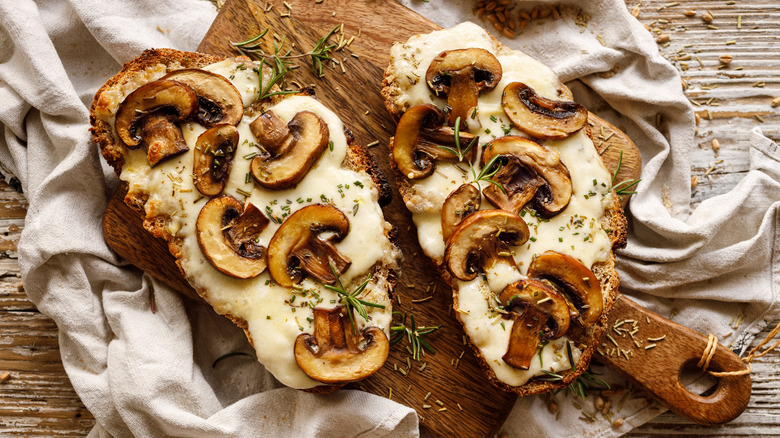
x: 523, y: 224
x: 266, y: 202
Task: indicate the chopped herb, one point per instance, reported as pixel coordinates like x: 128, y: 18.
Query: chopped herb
x: 414, y: 334
x: 350, y: 299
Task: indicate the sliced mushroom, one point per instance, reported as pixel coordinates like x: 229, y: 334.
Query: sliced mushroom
x: 462, y: 74
x: 530, y: 171
x: 539, y: 313
x: 482, y: 240
x: 169, y: 97
x: 308, y: 139
x: 271, y: 132
x: 540, y: 117
x: 296, y: 247
x: 228, y: 235
x: 578, y: 284
x: 458, y: 205
x: 214, y: 153
x: 336, y: 353
x: 163, y: 138
x: 218, y: 100
x: 421, y: 138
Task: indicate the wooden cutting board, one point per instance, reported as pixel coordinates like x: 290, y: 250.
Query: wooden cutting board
x: 447, y: 389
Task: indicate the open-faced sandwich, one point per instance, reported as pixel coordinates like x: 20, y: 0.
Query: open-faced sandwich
x: 511, y: 200
x: 270, y: 208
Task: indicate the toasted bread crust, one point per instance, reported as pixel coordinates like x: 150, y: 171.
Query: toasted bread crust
x: 155, y: 63
x: 614, y: 221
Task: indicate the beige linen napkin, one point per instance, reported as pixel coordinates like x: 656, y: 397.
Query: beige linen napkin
x: 151, y: 374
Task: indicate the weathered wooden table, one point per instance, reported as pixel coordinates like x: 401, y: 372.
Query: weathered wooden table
x: 729, y: 55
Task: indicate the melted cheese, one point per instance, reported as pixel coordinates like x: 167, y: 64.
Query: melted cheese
x: 575, y: 231
x: 275, y: 315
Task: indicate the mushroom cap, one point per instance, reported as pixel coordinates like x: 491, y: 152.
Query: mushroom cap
x: 481, y: 238
x: 174, y: 99
x: 336, y: 353
x: 459, y: 204
x: 532, y: 293
x: 540, y: 117
x: 420, y: 138
x: 227, y: 234
x: 308, y: 139
x: 296, y: 247
x: 212, y: 158
x: 462, y: 74
x: 544, y: 314
x: 271, y: 132
x: 218, y: 99
x: 530, y: 171
x: 162, y: 137
x: 578, y: 284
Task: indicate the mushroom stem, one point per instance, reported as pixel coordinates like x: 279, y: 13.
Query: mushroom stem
x: 336, y: 354
x: 524, y: 338
x: 462, y: 98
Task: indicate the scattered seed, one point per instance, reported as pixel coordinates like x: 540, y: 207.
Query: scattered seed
x: 5, y: 376
x: 775, y: 103
x: 694, y: 183
x: 618, y: 422
x: 690, y: 13
x: 759, y: 118
x: 726, y: 59
x: 715, y: 145
x: 707, y: 17
x: 663, y: 38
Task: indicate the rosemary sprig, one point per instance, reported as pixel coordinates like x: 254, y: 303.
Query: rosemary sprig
x: 624, y: 187
x: 586, y: 381
x: 280, y: 62
x: 488, y: 171
x: 458, y: 151
x: 321, y: 51
x: 350, y: 299
x: 414, y: 334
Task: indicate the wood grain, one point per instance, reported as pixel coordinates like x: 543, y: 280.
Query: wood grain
x: 658, y: 370
x: 25, y: 409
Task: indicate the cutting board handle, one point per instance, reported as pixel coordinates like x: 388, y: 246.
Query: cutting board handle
x: 657, y: 369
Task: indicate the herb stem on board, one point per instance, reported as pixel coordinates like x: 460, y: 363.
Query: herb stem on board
x: 414, y: 334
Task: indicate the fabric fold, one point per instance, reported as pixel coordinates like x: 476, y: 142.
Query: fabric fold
x: 144, y: 373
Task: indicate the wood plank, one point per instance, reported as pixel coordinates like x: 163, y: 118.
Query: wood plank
x: 762, y: 417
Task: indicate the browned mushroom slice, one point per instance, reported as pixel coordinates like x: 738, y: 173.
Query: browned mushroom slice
x: 308, y: 138
x: 214, y: 153
x: 539, y: 313
x: 218, y: 99
x: 458, y: 205
x: 421, y: 138
x: 228, y: 236
x: 271, y: 132
x: 578, y: 284
x: 297, y: 248
x: 462, y: 74
x: 482, y: 240
x: 540, y: 117
x: 530, y: 171
x: 163, y: 138
x: 169, y: 97
x: 336, y: 353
